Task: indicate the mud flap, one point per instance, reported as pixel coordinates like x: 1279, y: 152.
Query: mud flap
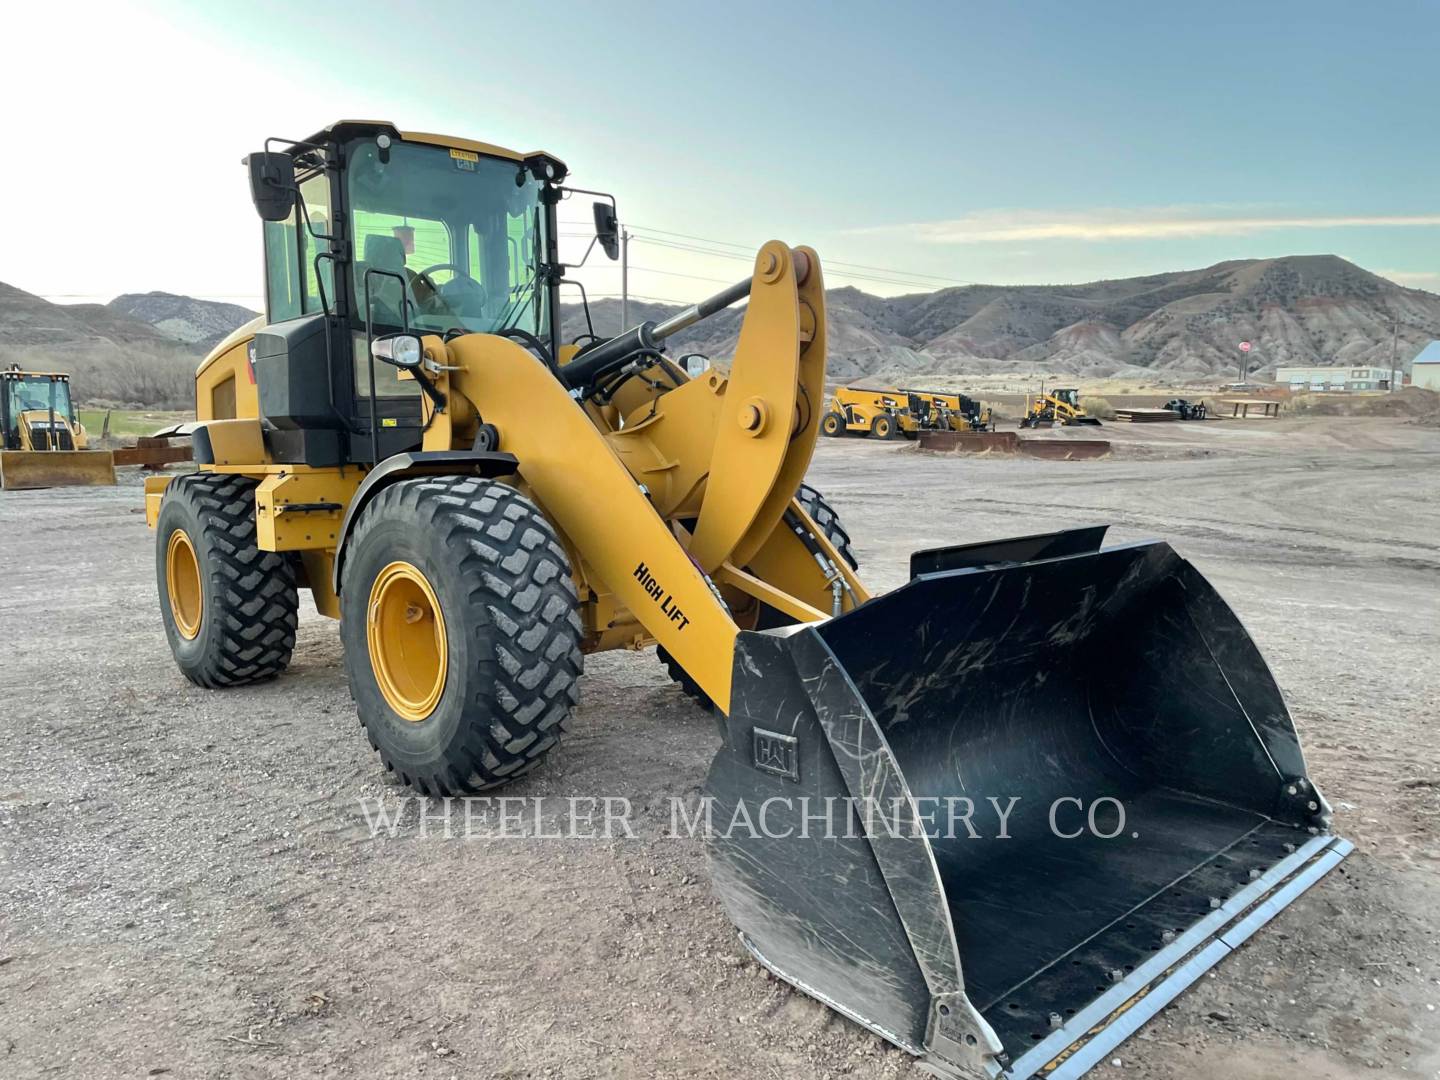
x: 21, y: 469
x: 1006, y: 812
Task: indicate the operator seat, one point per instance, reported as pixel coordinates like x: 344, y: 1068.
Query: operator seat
x: 387, y: 295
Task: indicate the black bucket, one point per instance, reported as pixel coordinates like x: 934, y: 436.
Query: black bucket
x: 1006, y: 812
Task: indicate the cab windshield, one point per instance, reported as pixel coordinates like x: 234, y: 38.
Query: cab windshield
x: 444, y: 239
x: 31, y: 393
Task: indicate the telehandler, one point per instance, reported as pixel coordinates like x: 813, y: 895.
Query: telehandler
x: 42, y: 442
x: 888, y: 412
x: 942, y: 411
x: 481, y: 503
x: 883, y: 413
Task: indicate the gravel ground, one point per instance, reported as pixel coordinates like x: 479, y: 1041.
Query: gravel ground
x: 190, y: 888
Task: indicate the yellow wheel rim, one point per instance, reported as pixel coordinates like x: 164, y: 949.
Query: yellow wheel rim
x: 406, y: 634
x: 182, y: 583
x: 831, y: 425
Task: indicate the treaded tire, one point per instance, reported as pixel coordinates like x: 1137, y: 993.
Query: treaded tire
x: 682, y: 678
x: 828, y: 521
x: 824, y: 515
x: 882, y: 427
x: 247, y: 627
x: 503, y: 584
x: 833, y: 425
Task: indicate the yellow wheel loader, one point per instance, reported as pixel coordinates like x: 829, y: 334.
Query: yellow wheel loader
x: 856, y: 410
x: 42, y: 442
x: 999, y: 816
x: 1058, y: 406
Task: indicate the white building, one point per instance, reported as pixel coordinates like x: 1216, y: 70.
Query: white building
x: 1425, y: 368
x: 1333, y: 378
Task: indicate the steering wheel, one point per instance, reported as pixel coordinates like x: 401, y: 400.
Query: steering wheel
x: 463, y: 280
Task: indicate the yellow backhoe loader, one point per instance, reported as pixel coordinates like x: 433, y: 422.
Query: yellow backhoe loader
x: 480, y: 504
x: 1060, y: 406
x: 42, y: 442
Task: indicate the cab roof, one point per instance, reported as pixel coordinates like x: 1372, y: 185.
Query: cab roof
x: 344, y: 129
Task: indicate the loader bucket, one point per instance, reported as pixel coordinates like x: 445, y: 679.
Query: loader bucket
x: 1007, y: 812
x: 55, y: 468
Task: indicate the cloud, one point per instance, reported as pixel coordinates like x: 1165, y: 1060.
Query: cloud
x: 1414, y: 279
x: 1155, y: 223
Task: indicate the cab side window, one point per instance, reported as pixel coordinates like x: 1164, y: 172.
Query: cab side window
x: 293, y: 276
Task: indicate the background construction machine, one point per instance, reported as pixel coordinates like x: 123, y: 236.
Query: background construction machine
x: 1058, y: 406
x: 1187, y: 410
x: 941, y: 411
x: 890, y: 411
x: 858, y: 410
x: 481, y: 503
x: 42, y: 442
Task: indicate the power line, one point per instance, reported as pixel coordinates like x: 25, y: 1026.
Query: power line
x: 904, y: 283
x: 909, y: 274
x: 638, y: 296
x: 883, y: 275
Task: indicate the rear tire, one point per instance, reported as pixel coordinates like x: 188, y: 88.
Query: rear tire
x: 229, y: 608
x: 487, y: 566
x: 882, y: 427
x: 833, y: 425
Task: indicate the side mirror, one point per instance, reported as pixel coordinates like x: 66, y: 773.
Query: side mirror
x: 607, y: 229
x: 272, y: 184
x: 400, y: 350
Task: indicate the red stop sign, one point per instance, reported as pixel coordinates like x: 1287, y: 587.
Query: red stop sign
x: 1244, y: 346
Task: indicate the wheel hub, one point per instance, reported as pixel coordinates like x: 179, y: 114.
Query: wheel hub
x: 405, y: 631
x: 182, y: 585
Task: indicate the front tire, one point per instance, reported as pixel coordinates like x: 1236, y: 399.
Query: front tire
x: 833, y: 425
x: 462, y: 638
x: 229, y: 608
x: 828, y: 522
x: 882, y: 427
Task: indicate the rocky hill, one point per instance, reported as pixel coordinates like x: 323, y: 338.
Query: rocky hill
x: 197, y: 323
x: 1304, y: 309
x: 1311, y: 309
x: 113, y: 358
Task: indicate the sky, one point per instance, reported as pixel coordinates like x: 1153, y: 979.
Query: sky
x: 914, y: 145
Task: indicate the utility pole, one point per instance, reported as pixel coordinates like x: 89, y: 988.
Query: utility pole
x: 1394, y: 341
x: 624, y: 279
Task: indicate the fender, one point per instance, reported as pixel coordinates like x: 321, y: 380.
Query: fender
x: 485, y: 463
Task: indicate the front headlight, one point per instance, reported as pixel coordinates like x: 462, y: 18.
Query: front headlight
x: 402, y: 350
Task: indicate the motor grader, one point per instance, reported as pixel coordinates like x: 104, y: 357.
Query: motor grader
x: 481, y: 503
x: 42, y: 442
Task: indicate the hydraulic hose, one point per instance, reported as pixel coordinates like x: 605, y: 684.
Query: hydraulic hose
x: 608, y: 356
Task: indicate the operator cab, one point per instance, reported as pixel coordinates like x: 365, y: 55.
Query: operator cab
x: 40, y: 401
x: 369, y: 231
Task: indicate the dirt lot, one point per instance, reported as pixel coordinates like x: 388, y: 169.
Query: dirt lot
x: 189, y: 888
